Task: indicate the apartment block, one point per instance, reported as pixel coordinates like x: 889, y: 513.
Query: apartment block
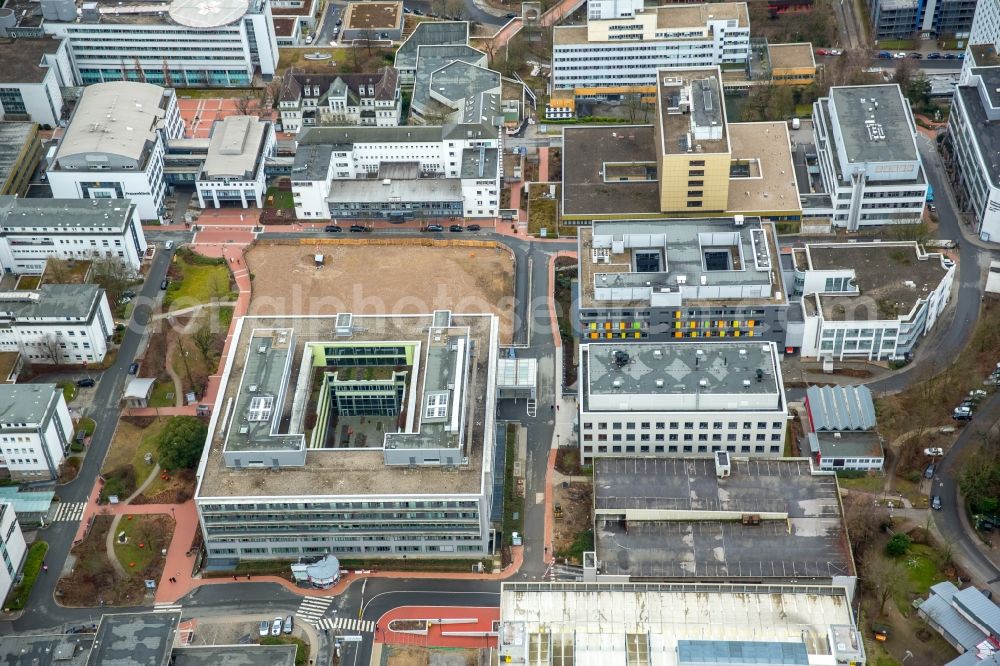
x: 20, y: 154
x: 34, y: 73
x: 974, y: 139
x: 866, y: 145
x: 114, y: 146
x: 398, y: 172
x: 35, y: 431
x: 630, y: 49
x: 871, y: 301
x: 33, y: 230
x: 182, y: 43
x: 680, y: 279
x: 679, y: 399
x: 902, y: 19
x: 308, y: 99
x: 60, y: 324
x: 12, y: 547
x: 357, y: 436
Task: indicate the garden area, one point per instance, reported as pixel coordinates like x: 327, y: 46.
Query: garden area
x: 18, y: 596
x: 196, y: 280
x: 96, y: 580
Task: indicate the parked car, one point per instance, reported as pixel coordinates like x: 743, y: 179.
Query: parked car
x: 473, y: 227
x: 276, y: 627
x: 950, y: 56
x: 86, y: 382
x: 510, y: 15
x: 836, y: 52
x: 934, y: 451
x: 164, y: 283
x: 169, y: 245
x: 899, y: 56
x: 456, y: 227
x: 822, y: 52
x: 134, y: 368
x: 265, y: 627
x: 932, y: 208
x: 289, y: 624
x: 433, y: 227
x: 340, y: 22
x: 916, y: 56
x: 934, y: 56
x: 929, y: 472
x: 359, y: 228
x: 962, y: 413
x: 936, y: 502
x: 332, y: 228
x: 129, y: 293
x: 884, y: 54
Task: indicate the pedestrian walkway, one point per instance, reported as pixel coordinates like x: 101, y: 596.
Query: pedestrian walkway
x: 313, y: 608
x: 69, y: 512
x: 166, y: 608
x: 347, y: 623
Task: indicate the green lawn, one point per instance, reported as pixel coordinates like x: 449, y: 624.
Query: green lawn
x: 922, y: 569
x: 225, y: 315
x: 68, y: 388
x: 18, y: 596
x: 897, y: 44
x: 87, y: 425
x: 202, y: 280
x: 129, y: 448
x: 28, y: 282
x: 870, y: 483
x: 163, y: 394
x: 275, y: 198
x: 804, y: 110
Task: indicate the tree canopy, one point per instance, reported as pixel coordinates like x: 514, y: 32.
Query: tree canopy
x: 180, y: 443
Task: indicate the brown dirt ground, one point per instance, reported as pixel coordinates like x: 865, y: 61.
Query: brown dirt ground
x: 93, y: 578
x: 576, y: 503
x: 421, y: 656
x: 382, y: 279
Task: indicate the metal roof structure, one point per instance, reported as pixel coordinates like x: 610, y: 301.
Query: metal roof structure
x: 63, y: 215
x: 941, y: 609
x: 26, y: 502
x: 139, y: 387
x: 841, y: 408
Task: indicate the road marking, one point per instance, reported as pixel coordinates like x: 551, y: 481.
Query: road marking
x: 313, y: 608
x: 539, y: 498
x: 69, y: 511
x: 347, y: 623
x: 166, y: 608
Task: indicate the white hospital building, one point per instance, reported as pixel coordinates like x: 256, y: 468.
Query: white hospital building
x: 115, y: 144
x: 35, y: 431
x: 627, y: 45
x: 32, y: 230
x: 12, y: 547
x: 183, y: 43
x: 681, y: 399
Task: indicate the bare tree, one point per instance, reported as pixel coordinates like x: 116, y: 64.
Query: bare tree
x: 906, y: 70
x: 245, y: 104
x: 113, y: 275
x: 636, y: 108
x: 204, y: 339
x: 885, y: 577
x: 57, y: 270
x: 52, y: 348
x: 863, y: 524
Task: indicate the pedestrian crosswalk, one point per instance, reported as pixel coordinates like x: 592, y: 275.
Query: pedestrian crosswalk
x: 313, y: 608
x: 69, y: 511
x: 166, y: 608
x: 346, y: 623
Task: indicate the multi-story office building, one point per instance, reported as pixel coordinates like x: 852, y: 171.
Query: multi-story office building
x: 452, y: 84
x: 233, y: 170
x: 35, y: 431
x: 360, y: 436
x: 428, y: 33
x: 181, y: 43
x: 974, y: 134
x: 398, y: 172
x: 609, y: 9
x: 114, y: 146
x: 678, y: 623
x: 308, y: 99
x: 629, y: 50
x: 902, y: 19
x: 60, y: 324
x: 372, y: 21
x: 33, y: 230
x: 12, y: 547
x: 872, y: 301
x: 690, y: 162
x: 20, y: 154
x: 680, y: 279
x: 680, y: 399
x: 32, y: 78
x: 866, y: 143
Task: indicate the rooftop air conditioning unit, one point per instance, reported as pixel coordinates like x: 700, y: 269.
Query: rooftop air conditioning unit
x: 262, y: 349
x: 252, y: 388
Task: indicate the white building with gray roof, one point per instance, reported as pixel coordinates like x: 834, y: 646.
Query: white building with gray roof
x: 114, y: 146
x: 407, y: 172
x: 233, y: 171
x: 59, y: 324
x: 842, y: 432
x: 12, y: 547
x: 866, y: 143
x: 357, y: 436
x: 453, y: 85
x: 428, y: 33
x: 35, y: 431
x: 33, y: 230
x: 681, y: 399
x: 967, y: 619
